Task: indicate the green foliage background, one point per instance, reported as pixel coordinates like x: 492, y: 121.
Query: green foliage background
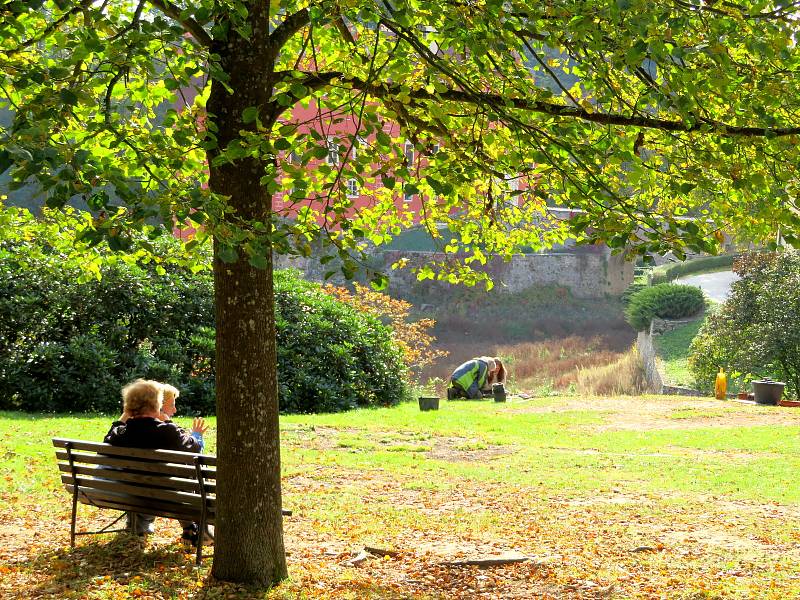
x: 71, y: 337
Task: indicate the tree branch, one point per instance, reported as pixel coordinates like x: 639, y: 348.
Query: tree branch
x: 291, y: 25
x: 51, y: 27
x: 387, y: 90
x: 191, y: 26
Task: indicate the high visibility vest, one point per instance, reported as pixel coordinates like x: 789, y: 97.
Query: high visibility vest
x: 469, y: 372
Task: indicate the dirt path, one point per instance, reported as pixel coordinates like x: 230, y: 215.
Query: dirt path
x: 670, y: 412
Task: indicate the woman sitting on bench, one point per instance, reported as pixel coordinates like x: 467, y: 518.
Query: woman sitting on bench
x: 140, y: 426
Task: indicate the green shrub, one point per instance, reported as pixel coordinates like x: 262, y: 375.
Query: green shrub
x: 756, y: 332
x: 69, y: 342
x: 666, y: 300
x: 671, y: 271
x: 633, y: 288
x: 332, y: 357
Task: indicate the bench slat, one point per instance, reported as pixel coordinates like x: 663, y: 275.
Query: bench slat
x: 172, y: 483
x: 143, y: 492
x: 161, y: 455
x: 106, y: 499
x: 185, y: 471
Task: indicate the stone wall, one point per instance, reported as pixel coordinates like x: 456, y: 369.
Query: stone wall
x: 588, y: 273
x: 650, y: 361
x: 644, y: 343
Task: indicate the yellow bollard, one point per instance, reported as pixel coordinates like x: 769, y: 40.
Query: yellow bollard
x: 721, y: 385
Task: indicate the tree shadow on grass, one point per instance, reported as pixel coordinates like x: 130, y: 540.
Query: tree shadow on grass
x: 122, y: 563
x: 123, y: 566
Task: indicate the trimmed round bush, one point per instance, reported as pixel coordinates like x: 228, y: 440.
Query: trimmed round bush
x: 666, y: 301
x: 630, y: 291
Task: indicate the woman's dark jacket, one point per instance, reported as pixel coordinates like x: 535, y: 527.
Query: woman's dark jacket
x: 147, y: 432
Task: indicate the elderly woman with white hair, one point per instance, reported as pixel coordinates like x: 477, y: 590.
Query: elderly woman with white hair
x: 471, y: 378
x: 141, y: 426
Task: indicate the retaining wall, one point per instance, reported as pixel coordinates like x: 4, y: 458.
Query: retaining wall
x: 652, y: 368
x: 589, y: 273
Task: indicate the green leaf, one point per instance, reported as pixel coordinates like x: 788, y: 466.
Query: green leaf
x: 249, y: 114
x: 228, y: 254
x: 68, y: 96
x: 258, y: 261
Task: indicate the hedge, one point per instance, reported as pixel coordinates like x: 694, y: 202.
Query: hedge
x: 69, y: 340
x: 666, y: 300
x: 671, y: 271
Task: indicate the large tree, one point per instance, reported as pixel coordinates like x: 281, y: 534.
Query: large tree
x: 661, y: 123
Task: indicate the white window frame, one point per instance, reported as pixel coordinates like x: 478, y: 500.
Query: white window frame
x: 408, y: 150
x: 353, y: 189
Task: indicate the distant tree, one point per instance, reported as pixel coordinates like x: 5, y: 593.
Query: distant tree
x: 682, y: 109
x: 756, y: 333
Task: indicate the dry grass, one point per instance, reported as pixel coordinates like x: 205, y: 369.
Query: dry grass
x: 546, y: 336
x: 625, y: 376
x: 556, y: 362
x: 533, y: 366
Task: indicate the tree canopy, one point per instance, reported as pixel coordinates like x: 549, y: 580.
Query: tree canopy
x: 662, y: 124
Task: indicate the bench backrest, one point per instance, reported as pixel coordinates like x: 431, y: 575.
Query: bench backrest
x: 166, y: 483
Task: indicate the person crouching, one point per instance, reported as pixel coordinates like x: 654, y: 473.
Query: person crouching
x: 470, y: 377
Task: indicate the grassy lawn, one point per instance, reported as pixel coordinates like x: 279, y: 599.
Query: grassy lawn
x: 673, y: 349
x: 642, y: 497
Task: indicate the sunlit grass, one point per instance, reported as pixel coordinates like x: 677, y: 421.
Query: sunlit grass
x: 559, y: 475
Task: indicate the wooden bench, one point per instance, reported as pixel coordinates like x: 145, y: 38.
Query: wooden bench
x: 162, y: 483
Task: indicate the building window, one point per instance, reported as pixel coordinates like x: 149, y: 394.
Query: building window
x: 408, y: 194
x: 352, y: 188
x: 409, y: 150
x: 333, y: 157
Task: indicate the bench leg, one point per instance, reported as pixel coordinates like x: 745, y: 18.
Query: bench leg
x: 74, y: 515
x: 201, y: 533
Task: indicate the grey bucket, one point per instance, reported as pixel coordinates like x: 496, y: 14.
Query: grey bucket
x: 767, y: 391
x: 428, y: 403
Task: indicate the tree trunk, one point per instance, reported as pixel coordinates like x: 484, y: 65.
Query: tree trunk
x: 249, y: 533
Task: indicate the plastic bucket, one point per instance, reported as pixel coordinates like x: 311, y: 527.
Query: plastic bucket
x: 767, y: 391
x: 428, y: 403
x: 499, y: 392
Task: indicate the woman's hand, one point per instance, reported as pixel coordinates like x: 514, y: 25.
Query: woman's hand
x: 199, y: 425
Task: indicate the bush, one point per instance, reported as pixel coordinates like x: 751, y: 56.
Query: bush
x: 756, y: 332
x: 413, y: 337
x: 666, y: 300
x: 631, y: 290
x: 69, y: 342
x: 671, y: 271
x: 331, y: 356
